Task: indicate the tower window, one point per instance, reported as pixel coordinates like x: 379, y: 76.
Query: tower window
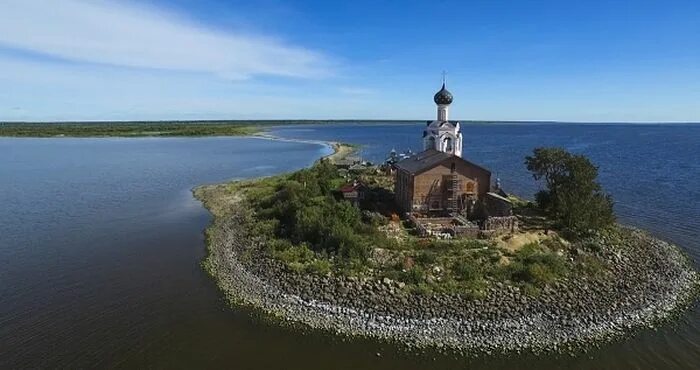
x: 448, y: 144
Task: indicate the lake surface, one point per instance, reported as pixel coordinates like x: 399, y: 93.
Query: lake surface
x: 101, y: 240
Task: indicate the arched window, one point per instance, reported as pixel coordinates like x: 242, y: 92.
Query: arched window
x: 470, y: 187
x: 448, y: 144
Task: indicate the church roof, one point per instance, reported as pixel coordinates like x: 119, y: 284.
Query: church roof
x: 443, y: 97
x: 428, y: 159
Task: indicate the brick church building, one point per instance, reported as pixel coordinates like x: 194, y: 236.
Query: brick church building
x: 438, y: 180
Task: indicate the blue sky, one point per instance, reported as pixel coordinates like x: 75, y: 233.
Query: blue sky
x: 214, y: 59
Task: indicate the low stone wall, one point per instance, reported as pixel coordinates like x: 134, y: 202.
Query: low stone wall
x: 501, y: 225
x: 471, y: 230
x: 492, y: 226
x: 427, y: 226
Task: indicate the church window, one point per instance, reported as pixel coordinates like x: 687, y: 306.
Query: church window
x: 470, y: 187
x: 448, y: 144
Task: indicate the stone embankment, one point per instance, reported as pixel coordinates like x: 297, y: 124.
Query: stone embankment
x: 650, y: 281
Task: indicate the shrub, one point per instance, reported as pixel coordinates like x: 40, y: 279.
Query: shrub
x: 319, y: 266
x: 265, y: 227
x: 295, y: 254
x: 414, y: 276
x: 536, y: 265
x: 426, y: 258
x: 467, y: 270
x: 591, y: 265
x: 279, y: 245
x: 374, y: 218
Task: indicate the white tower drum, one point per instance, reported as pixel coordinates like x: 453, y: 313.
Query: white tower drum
x: 442, y: 134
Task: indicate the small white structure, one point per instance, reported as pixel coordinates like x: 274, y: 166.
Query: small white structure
x: 442, y: 134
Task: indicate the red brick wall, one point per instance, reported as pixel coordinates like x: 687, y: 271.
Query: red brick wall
x: 431, y: 185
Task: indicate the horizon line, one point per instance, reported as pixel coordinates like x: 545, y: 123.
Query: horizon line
x: 339, y: 120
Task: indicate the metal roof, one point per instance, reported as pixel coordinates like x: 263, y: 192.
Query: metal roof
x: 428, y: 159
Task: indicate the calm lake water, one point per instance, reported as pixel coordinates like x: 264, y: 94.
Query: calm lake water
x: 101, y: 240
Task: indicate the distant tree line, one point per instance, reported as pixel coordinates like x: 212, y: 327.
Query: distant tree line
x: 125, y: 129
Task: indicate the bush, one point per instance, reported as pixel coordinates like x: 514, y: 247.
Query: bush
x: 374, y: 218
x: 467, y: 270
x: 415, y: 276
x: 536, y: 265
x: 265, y: 228
x: 591, y: 265
x: 302, y: 209
x: 295, y: 254
x: 426, y: 258
x: 279, y: 245
x: 319, y: 266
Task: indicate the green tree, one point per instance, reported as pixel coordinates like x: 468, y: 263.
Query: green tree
x: 573, y: 196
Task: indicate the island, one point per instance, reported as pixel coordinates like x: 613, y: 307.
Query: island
x: 303, y: 248
x: 425, y: 250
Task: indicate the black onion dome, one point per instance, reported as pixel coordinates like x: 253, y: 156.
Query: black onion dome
x: 443, y: 97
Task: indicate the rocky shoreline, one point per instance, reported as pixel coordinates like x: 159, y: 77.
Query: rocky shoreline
x: 650, y: 281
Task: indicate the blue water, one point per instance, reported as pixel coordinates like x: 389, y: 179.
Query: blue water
x: 101, y: 240
x: 100, y: 244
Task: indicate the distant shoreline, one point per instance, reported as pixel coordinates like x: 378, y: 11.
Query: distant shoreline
x: 205, y: 128
x: 144, y: 129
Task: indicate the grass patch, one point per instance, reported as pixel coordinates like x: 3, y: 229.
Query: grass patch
x: 536, y: 265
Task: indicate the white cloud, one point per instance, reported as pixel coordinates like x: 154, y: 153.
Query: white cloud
x: 124, y: 34
x: 67, y: 91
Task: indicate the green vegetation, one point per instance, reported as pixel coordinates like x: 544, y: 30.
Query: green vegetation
x: 535, y: 264
x: 126, y: 129
x: 307, y: 225
x: 302, y: 217
x: 470, y: 266
x: 309, y: 228
x: 573, y: 199
x: 148, y: 128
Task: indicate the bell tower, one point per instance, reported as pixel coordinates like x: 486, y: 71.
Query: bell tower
x: 442, y: 134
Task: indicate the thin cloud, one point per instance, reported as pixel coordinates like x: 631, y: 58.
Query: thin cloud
x: 356, y: 91
x: 124, y: 34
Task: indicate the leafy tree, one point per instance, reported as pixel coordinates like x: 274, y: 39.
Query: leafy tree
x: 573, y: 197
